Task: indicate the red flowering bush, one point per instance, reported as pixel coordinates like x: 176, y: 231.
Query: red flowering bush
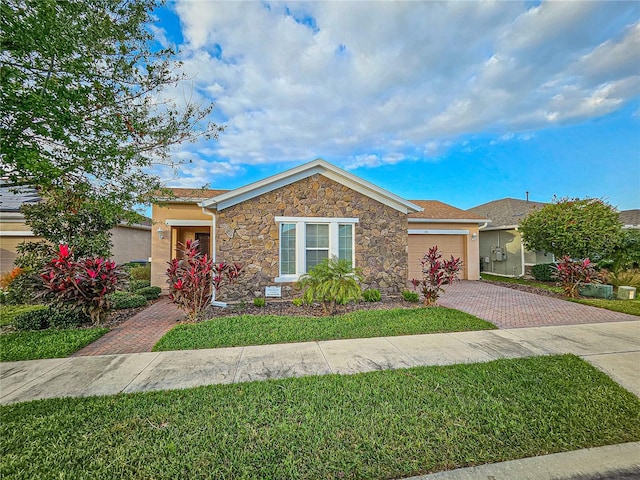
x: 81, y: 285
x: 435, y: 274
x: 191, y: 278
x: 573, y: 273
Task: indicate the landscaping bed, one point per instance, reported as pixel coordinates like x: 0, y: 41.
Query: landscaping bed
x: 286, y: 307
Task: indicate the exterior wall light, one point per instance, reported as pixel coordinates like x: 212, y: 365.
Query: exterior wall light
x: 474, y: 236
x: 160, y: 233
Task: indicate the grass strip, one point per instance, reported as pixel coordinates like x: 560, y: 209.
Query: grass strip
x: 9, y: 312
x: 387, y: 424
x: 261, y: 330
x: 46, y: 343
x: 632, y: 307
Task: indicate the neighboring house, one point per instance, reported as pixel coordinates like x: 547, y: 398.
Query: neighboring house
x: 279, y: 227
x: 630, y: 219
x: 501, y: 249
x: 130, y: 242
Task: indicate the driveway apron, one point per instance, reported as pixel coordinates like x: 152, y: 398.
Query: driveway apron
x: 509, y: 308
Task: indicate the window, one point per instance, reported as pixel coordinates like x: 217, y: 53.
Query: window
x: 287, y: 249
x: 307, y: 241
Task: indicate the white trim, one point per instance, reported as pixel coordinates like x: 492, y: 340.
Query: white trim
x: 233, y: 197
x: 301, y: 244
x: 16, y: 233
x: 279, y: 219
x: 503, y: 227
x: 438, y: 232
x: 187, y: 223
x: 445, y: 220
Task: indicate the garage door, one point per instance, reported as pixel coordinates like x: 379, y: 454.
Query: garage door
x: 447, y: 245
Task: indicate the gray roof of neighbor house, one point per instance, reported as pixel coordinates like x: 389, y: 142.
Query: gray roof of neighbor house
x: 507, y: 212
x: 12, y: 198
x: 630, y: 217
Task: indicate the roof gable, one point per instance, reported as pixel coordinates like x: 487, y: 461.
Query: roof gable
x: 319, y: 166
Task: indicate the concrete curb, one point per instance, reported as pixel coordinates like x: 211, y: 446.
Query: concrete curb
x: 606, y: 462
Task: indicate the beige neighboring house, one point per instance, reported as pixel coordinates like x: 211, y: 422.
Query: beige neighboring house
x: 501, y: 248
x: 130, y: 242
x: 279, y: 227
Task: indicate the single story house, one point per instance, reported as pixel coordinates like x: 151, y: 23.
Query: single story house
x: 279, y: 227
x: 501, y: 248
x: 130, y: 242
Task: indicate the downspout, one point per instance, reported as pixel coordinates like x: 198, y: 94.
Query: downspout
x: 214, y: 302
x: 521, y: 251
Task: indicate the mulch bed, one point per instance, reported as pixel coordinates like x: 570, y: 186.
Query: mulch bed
x: 286, y: 307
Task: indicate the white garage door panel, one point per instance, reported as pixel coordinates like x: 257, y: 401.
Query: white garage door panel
x: 447, y: 245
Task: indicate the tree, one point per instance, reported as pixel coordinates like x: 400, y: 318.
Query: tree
x: 84, y: 99
x: 578, y: 228
x: 67, y: 218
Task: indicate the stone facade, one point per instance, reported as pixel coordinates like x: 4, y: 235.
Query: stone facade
x: 248, y: 234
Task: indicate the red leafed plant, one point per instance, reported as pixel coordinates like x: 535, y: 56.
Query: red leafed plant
x: 574, y: 273
x: 81, y: 285
x: 435, y: 274
x: 191, y: 278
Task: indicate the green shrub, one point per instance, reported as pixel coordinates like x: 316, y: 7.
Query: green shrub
x: 298, y: 302
x: 410, y: 296
x: 120, y: 300
x: 544, y: 272
x: 50, y: 318
x: 332, y: 280
x: 34, y: 320
x: 142, y: 272
x: 627, y: 278
x: 135, y: 285
x: 65, y: 319
x: 150, y: 293
x: 371, y: 295
x: 259, y: 302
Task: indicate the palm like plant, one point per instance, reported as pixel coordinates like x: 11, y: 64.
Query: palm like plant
x: 333, y: 280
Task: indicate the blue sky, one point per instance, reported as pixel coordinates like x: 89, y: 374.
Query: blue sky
x: 463, y: 102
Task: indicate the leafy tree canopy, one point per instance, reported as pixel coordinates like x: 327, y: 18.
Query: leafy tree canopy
x: 578, y: 228
x: 65, y: 217
x: 84, y: 99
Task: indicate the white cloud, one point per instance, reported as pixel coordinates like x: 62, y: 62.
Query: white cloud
x: 375, y: 82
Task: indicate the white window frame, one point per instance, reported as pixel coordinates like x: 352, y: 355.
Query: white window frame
x: 301, y: 247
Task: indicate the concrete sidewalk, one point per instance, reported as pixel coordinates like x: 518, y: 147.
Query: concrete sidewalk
x: 612, y: 347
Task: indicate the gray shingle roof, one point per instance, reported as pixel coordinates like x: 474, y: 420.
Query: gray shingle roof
x: 11, y: 198
x: 505, y: 212
x: 630, y: 217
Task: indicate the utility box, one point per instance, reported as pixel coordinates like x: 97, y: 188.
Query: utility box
x: 596, y: 290
x: 626, y: 293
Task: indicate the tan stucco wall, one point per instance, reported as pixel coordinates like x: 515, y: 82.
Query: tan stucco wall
x: 471, y: 247
x: 128, y: 244
x: 161, y: 250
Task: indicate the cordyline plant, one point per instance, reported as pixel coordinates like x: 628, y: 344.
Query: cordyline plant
x: 191, y: 278
x: 435, y: 274
x: 574, y: 273
x: 82, y: 285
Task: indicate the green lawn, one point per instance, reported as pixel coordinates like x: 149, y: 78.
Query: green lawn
x: 260, y: 330
x: 379, y: 425
x: 631, y: 307
x: 9, y: 312
x: 46, y: 343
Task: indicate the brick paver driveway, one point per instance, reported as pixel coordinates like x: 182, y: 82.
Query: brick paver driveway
x: 509, y: 308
